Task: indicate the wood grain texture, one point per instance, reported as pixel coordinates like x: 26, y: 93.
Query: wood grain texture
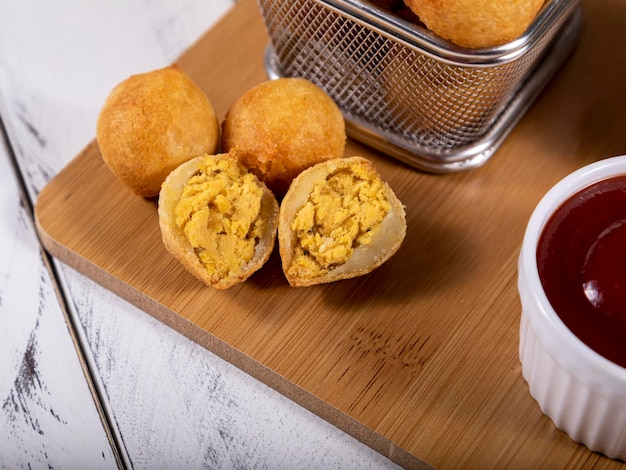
x: 418, y: 359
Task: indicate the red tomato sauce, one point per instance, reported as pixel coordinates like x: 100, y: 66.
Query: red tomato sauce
x: 581, y: 258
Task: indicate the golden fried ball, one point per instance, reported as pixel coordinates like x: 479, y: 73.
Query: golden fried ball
x: 477, y: 23
x: 217, y: 219
x: 280, y: 127
x: 338, y: 220
x: 151, y: 123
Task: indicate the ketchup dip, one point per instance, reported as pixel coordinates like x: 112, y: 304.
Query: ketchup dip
x: 571, y: 281
x: 581, y: 258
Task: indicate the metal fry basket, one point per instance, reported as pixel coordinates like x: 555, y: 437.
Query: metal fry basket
x: 406, y: 92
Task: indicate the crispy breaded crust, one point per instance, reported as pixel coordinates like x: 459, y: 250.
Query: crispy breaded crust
x: 280, y: 127
x: 151, y: 123
x: 477, y: 23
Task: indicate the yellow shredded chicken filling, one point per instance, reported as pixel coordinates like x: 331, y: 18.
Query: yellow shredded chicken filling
x: 341, y: 213
x: 219, y: 213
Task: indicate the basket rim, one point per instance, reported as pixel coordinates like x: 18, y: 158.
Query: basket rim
x: 419, y: 38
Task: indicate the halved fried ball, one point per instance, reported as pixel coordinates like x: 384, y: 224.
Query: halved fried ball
x: 217, y: 219
x: 283, y: 126
x: 477, y: 23
x: 338, y: 220
x: 152, y: 122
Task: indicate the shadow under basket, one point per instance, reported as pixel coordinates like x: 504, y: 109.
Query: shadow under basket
x: 408, y: 93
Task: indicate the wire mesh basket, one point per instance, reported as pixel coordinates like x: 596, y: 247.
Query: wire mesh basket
x: 408, y: 93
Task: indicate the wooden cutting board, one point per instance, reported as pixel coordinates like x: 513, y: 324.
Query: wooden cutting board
x: 419, y: 359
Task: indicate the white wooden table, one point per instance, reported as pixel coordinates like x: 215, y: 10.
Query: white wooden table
x: 86, y: 379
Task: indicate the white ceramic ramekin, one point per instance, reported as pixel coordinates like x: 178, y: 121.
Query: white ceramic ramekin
x: 582, y: 392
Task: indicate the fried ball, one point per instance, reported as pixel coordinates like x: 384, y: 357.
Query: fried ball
x: 283, y: 126
x: 476, y: 23
x: 338, y: 220
x: 151, y: 123
x: 217, y: 219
